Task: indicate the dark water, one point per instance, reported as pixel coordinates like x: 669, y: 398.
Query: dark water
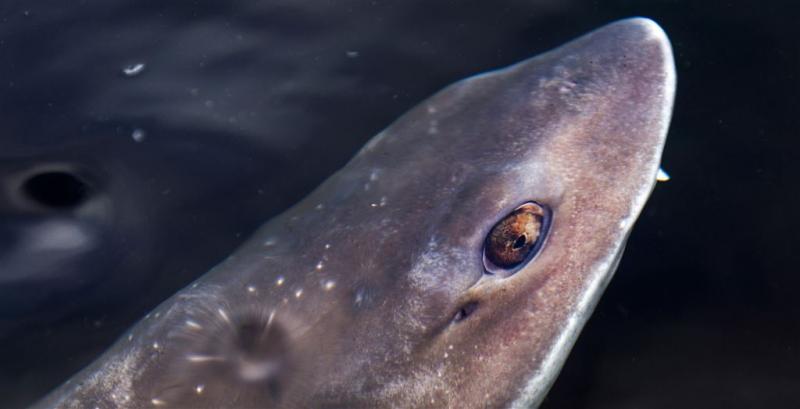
x: 171, y: 131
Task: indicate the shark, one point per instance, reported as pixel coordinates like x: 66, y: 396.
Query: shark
x: 450, y: 264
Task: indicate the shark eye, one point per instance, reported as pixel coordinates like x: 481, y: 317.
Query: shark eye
x: 516, y: 238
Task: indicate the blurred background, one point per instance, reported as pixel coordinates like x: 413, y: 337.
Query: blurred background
x: 142, y: 141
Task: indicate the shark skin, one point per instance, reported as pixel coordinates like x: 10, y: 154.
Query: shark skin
x: 373, y: 291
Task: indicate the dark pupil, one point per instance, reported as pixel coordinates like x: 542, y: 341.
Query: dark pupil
x: 519, y: 242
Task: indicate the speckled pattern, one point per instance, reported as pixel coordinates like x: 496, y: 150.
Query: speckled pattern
x: 348, y: 298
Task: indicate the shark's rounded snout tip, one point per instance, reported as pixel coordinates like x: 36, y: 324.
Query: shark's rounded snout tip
x: 642, y: 29
x: 644, y: 23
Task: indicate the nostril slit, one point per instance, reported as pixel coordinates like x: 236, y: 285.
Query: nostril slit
x: 56, y: 189
x: 465, y: 311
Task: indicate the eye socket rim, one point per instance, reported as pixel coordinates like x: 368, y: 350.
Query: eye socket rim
x: 493, y: 269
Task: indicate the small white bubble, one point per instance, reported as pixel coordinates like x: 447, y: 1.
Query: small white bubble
x: 130, y: 337
x: 157, y: 402
x: 251, y: 289
x: 662, y: 175
x: 373, y: 205
x: 279, y: 282
x: 328, y: 285
x: 270, y: 241
x: 319, y: 266
x: 138, y: 135
x: 156, y: 346
x: 298, y: 293
x: 327, y: 246
x: 199, y: 388
x: 352, y: 54
x: 223, y: 315
x: 383, y: 201
x: 132, y: 70
x: 320, y: 206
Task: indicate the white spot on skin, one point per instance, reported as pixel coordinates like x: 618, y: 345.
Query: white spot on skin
x: 433, y: 127
x: 193, y: 325
x: 256, y: 371
x: 224, y: 315
x: 279, y: 282
x: 204, y: 358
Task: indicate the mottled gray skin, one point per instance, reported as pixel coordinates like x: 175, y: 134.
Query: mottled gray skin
x: 348, y: 299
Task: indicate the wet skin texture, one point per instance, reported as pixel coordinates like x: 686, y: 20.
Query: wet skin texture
x: 374, y: 290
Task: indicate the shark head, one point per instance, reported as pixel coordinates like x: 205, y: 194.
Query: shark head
x: 451, y: 263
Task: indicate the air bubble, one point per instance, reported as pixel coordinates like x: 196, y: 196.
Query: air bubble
x: 133, y: 70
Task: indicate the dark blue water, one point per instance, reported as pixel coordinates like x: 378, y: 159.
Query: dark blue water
x: 141, y: 141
